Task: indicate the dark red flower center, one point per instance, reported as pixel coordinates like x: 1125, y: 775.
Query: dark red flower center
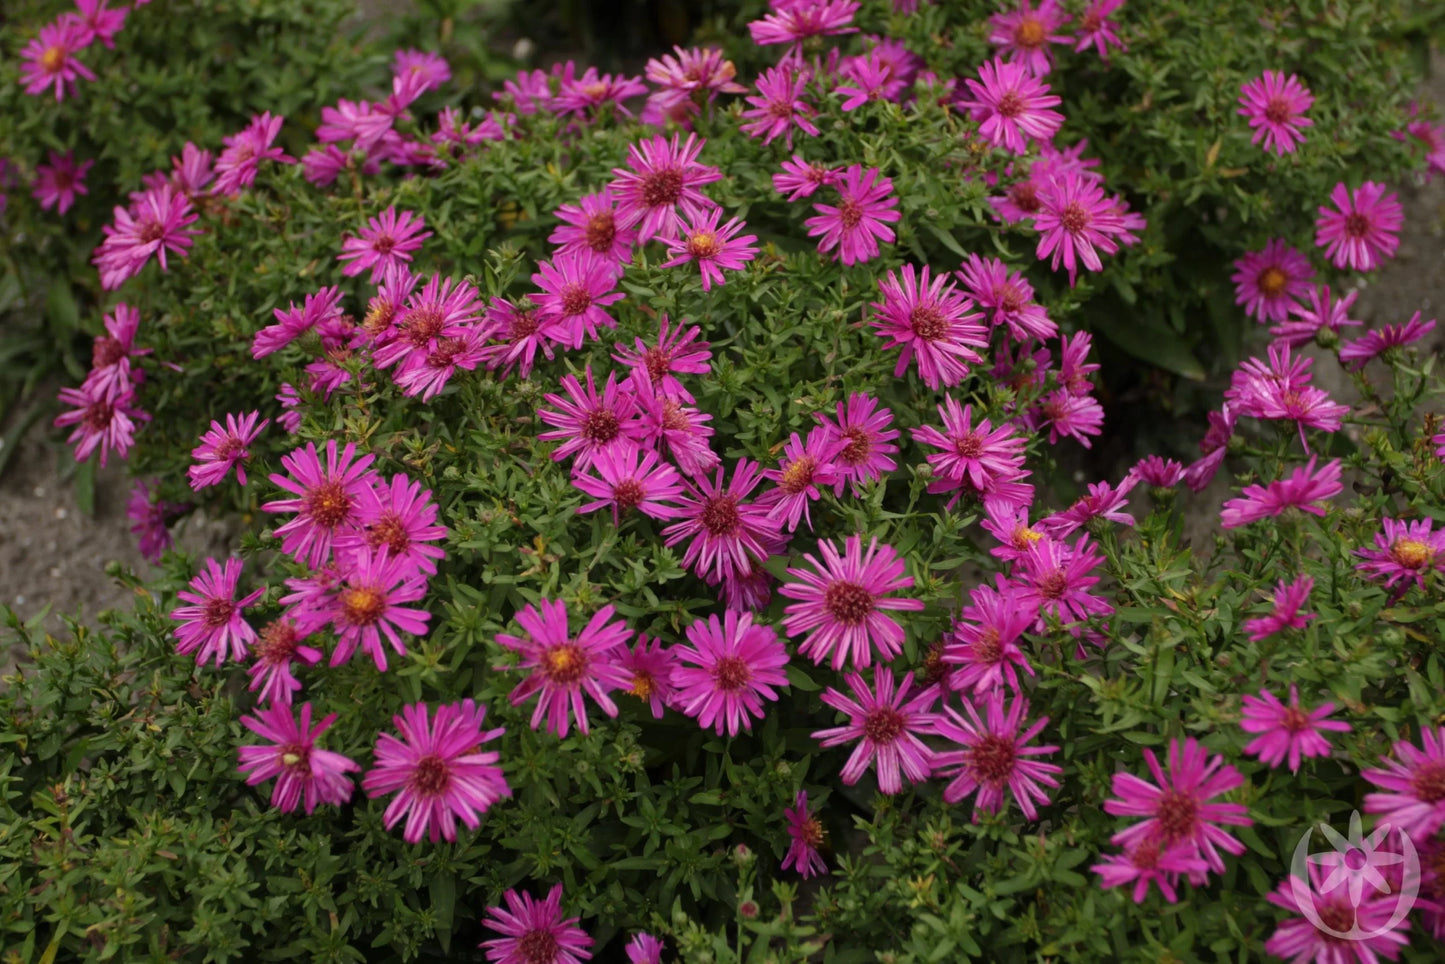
x: 565, y: 664
x: 1278, y: 110
x: 1428, y: 783
x: 674, y: 419
x: 1337, y: 915
x: 362, y: 605
x: 1357, y: 225
x: 1030, y: 33
x: 218, y: 612
x: 98, y: 416
x: 720, y: 516
x: 988, y: 648
x: 524, y: 324
x: 389, y: 531
x: 1025, y: 196
x: 383, y: 244
x: 1010, y: 298
x: 658, y: 362
x: 1090, y: 21
x: 431, y: 777
x: 780, y: 110
x: 1053, y: 585
x: 798, y: 475
x: 850, y: 212
x: 968, y: 446
x: 327, y: 504
x: 600, y: 231
x: 1011, y: 104
x: 1146, y: 855
x: 600, y: 426
x: 1075, y: 217
x: 628, y: 494
x: 538, y: 947
x: 1272, y: 281
x: 883, y: 725
x: 1295, y: 719
x: 278, y: 642
x: 107, y: 351
x: 731, y: 673
x: 152, y: 231
x: 935, y: 670
x: 993, y: 759
x: 847, y: 602
x: 662, y: 187
x: 928, y: 323
x: 230, y: 447
x: 1178, y: 815
x: 859, y: 447
x: 575, y: 299
x: 423, y: 324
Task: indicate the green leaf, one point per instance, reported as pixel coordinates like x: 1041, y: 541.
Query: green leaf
x: 1156, y: 343
x: 444, y: 901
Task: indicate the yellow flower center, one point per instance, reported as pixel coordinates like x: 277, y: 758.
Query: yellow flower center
x: 1412, y: 553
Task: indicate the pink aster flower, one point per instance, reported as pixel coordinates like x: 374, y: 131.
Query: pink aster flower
x: 224, y: 448
x: 842, y: 604
x: 399, y: 517
x: 863, y: 428
x: 1097, y: 30
x: 867, y: 77
x: 57, y: 183
x: 856, y: 225
x: 886, y: 725
x: 1287, y: 731
x: 805, y: 836
x: 649, y: 669
x: 1072, y: 416
x: 111, y: 372
x: 932, y: 320
x: 99, y: 22
x: 1300, y: 939
x: 591, y: 225
x: 1269, y: 282
x: 586, y: 95
x: 973, y: 456
x: 212, y: 625
x: 779, y: 106
x: 320, y: 307
x: 1357, y: 353
x: 1103, y: 501
x: 1056, y: 579
x: 1151, y: 861
x: 725, y: 534
x: 277, y: 648
x: 367, y: 603
x: 1364, y: 230
x: 1413, y: 785
x: 800, y: 178
x: 50, y: 57
x: 625, y: 478
x: 102, y: 421
x: 1280, y: 389
x: 518, y: 332
x: 806, y: 468
x: 576, y: 287
x: 1275, y: 105
x: 237, y: 164
x: 1158, y: 472
x: 1404, y: 551
x: 534, y: 932
x: 385, y: 243
x: 436, y: 771
x: 678, y: 351
x: 327, y: 498
x: 1075, y: 219
x: 443, y: 311
x: 148, y: 515
x: 796, y: 22
x: 1432, y: 138
x: 1008, y: 297
x: 660, y: 178
x: 679, y: 430
x: 1289, y: 598
x: 157, y: 222
x: 692, y: 75
x: 362, y: 122
x: 587, y: 423
x: 1177, y: 807
x: 431, y: 67
x: 984, y: 644
x: 700, y: 239
x: 1011, y: 106
x: 565, y: 667
x: 1023, y: 35
x: 994, y: 759
x: 304, y: 772
x: 1323, y: 313
x: 726, y: 670
x: 1303, y: 488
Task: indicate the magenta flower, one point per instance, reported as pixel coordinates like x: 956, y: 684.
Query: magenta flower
x: 1075, y: 219
x: 1275, y: 105
x: 796, y: 22
x: 1357, y: 353
x: 660, y: 178
x: 435, y: 770
x: 1289, y: 598
x: 50, y: 58
x: 1023, y: 35
x: 148, y: 514
x: 303, y: 771
x: 994, y: 759
x: 591, y: 225
x: 224, y: 448
x: 649, y: 668
x: 237, y: 164
x: 588, y: 93
x: 687, y: 76
x: 321, y: 306
x: 576, y: 287
x: 1103, y: 501
x: 726, y: 533
x: 713, y: 248
x: 678, y: 351
x: 862, y: 426
x: 1280, y: 389
x: 1301, y: 938
x: 856, y: 225
x: 534, y: 932
x: 589, y: 424
x: 1404, y: 551
x: 276, y: 649
x: 842, y: 603
x: 431, y: 67
x: 626, y: 479
x: 326, y: 500
x: 400, y: 518
x: 103, y: 421
x: 779, y: 106
x: 1177, y: 807
x: 57, y: 183
x: 886, y: 725
x: 984, y: 645
x: 805, y: 469
x: 1056, y: 579
x: 1157, y: 472
x: 725, y: 671
x: 932, y: 320
x: 805, y: 835
x: 1287, y: 731
x: 1302, y: 488
x: 1096, y: 30
x: 1364, y: 230
x: 973, y: 456
x: 368, y: 603
x: 867, y: 77
x: 385, y: 243
x: 1269, y: 282
x: 1151, y: 861
x: 1011, y: 106
x: 1413, y: 785
x: 111, y: 373
x: 800, y: 178
x: 1323, y: 313
x: 679, y: 430
x: 1008, y: 296
x: 212, y: 625
x: 565, y: 667
x: 99, y: 22
x: 157, y: 222
x: 518, y: 332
